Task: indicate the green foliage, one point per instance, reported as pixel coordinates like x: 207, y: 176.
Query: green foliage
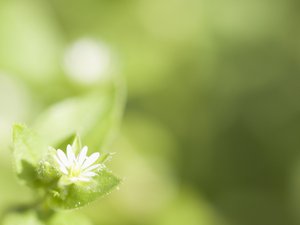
x: 28, y: 149
x: 95, y: 116
x: 44, y: 173
x: 77, y: 195
x: 215, y: 83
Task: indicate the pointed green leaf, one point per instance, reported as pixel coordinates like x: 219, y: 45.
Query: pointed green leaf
x: 28, y: 149
x: 77, y: 195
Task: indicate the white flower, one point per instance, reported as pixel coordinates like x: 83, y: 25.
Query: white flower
x: 78, y: 168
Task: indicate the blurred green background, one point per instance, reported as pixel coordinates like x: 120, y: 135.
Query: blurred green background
x: 210, y: 132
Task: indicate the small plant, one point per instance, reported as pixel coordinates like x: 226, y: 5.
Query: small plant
x: 63, y: 177
x: 62, y: 157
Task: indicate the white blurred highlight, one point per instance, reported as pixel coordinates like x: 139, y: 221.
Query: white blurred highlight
x: 87, y: 61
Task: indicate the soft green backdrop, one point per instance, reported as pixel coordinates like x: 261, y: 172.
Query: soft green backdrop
x: 210, y: 133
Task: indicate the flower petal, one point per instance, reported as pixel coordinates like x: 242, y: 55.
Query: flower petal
x: 82, y: 155
x: 89, y: 174
x: 62, y: 157
x: 70, y: 154
x: 61, y: 165
x: 90, y: 160
x: 75, y: 179
x: 92, y: 167
x: 83, y: 179
x: 64, y: 170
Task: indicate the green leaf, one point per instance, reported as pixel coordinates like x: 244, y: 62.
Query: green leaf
x: 28, y: 149
x: 95, y: 116
x: 28, y: 174
x: 76, y: 195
